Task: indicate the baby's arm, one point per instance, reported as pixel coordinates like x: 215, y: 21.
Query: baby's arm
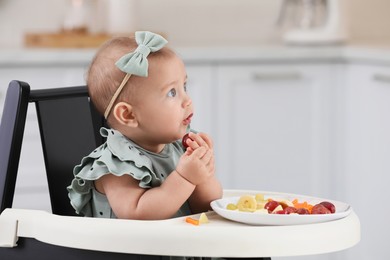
x: 207, y: 191
x: 130, y: 201
x: 204, y: 194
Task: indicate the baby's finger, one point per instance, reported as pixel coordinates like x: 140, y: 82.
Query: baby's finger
x: 211, y: 165
x: 207, y: 139
x: 189, y: 151
x: 207, y: 157
x: 198, y: 139
x: 191, y: 141
x: 212, y: 161
x: 199, y: 153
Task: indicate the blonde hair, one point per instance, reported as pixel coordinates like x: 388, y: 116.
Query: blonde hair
x: 103, y: 77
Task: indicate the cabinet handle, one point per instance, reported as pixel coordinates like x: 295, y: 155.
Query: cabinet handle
x: 263, y: 76
x: 381, y: 78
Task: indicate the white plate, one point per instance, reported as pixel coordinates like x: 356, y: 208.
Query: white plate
x: 219, y: 206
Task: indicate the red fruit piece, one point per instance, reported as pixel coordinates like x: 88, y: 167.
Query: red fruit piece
x: 302, y: 211
x: 290, y: 210
x: 271, y: 205
x: 281, y: 212
x: 319, y: 209
x: 329, y: 206
x: 184, y: 140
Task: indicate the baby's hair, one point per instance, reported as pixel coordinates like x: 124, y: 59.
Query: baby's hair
x: 103, y: 77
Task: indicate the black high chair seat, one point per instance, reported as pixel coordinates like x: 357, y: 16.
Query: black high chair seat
x: 69, y: 129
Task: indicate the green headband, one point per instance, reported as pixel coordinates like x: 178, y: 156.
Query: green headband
x: 136, y: 63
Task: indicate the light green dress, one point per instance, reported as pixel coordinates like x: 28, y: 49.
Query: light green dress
x: 120, y: 156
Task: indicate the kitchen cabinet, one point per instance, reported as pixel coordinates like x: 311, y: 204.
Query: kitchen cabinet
x: 366, y: 160
x: 274, y: 127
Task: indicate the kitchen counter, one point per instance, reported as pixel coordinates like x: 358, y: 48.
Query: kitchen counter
x: 225, y: 55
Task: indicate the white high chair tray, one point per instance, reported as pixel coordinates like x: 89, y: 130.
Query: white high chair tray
x: 219, y: 238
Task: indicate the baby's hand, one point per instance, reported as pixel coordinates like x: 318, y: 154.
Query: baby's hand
x: 197, y: 166
x: 193, y: 141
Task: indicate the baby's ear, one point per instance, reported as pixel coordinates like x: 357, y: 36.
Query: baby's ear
x: 123, y: 113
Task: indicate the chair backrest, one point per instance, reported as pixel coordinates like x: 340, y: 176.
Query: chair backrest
x: 69, y: 129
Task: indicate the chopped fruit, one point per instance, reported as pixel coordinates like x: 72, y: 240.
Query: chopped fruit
x: 259, y: 204
x: 259, y: 197
x: 247, y: 203
x: 271, y: 205
x: 329, y: 206
x: 304, y: 205
x: 231, y: 206
x: 203, y: 219
x: 184, y: 140
x: 302, y: 211
x: 290, y: 210
x: 278, y: 208
x: 320, y: 209
x: 285, y: 203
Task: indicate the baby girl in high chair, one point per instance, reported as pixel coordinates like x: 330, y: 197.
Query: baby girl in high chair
x: 143, y: 171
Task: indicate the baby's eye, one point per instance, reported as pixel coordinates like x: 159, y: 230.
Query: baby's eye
x: 185, y: 86
x: 172, y: 93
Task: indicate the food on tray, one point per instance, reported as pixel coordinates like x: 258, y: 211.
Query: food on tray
x: 258, y: 204
x: 192, y: 221
x: 272, y: 206
x: 302, y: 205
x: 247, y: 203
x: 329, y: 206
x: 203, y: 219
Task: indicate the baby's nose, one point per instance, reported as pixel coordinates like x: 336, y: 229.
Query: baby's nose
x: 187, y: 101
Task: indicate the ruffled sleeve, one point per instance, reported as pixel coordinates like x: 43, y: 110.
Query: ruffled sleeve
x: 116, y: 156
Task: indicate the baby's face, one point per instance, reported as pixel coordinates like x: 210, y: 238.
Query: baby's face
x: 166, y: 109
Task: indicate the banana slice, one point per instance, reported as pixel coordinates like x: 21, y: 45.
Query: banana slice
x: 203, y: 219
x: 247, y: 203
x: 231, y: 206
x: 259, y: 197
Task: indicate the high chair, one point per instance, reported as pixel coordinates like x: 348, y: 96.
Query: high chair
x: 69, y: 128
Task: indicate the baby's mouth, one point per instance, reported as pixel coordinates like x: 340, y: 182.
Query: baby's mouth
x: 187, y: 121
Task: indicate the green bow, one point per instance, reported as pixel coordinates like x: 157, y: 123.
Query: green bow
x: 136, y: 62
